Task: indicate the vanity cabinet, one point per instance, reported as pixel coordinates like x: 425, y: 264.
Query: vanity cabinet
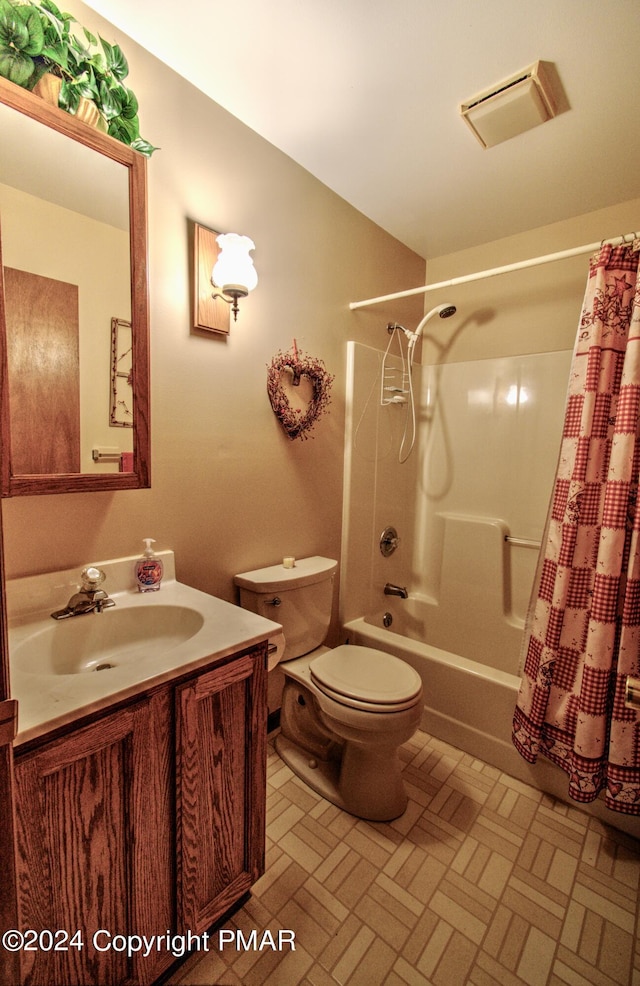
x: 149, y: 819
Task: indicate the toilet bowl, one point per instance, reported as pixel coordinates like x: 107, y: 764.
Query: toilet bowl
x: 345, y: 746
x: 345, y: 711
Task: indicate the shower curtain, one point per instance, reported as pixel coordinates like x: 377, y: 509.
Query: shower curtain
x: 582, y: 634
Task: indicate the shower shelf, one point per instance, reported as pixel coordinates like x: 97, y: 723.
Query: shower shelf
x: 395, y: 385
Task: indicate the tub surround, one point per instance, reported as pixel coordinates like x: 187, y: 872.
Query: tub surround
x: 48, y: 701
x: 472, y: 561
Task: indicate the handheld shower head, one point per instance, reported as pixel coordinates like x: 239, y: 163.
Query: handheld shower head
x: 444, y: 311
x: 447, y: 311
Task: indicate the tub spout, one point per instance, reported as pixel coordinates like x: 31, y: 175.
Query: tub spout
x: 395, y: 590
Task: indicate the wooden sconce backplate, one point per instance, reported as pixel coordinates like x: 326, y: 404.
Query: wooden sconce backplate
x: 209, y: 313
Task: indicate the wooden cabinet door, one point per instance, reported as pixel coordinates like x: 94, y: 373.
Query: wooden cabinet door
x: 221, y: 788
x: 94, y: 845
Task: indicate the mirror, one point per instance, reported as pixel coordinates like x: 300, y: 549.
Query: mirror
x: 73, y: 304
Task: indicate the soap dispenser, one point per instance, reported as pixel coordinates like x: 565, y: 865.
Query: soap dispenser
x: 149, y: 569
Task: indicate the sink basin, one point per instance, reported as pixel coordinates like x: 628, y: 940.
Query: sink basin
x: 107, y: 640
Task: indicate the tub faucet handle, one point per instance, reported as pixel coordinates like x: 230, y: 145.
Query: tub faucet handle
x: 389, y: 541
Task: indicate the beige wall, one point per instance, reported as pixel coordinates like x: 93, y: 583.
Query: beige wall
x: 527, y: 311
x: 229, y: 490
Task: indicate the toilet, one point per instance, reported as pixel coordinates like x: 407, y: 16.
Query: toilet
x: 345, y: 711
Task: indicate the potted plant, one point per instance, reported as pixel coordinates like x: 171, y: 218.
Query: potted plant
x: 37, y: 40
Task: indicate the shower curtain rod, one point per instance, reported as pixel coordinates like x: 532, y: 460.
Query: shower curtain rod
x: 480, y: 275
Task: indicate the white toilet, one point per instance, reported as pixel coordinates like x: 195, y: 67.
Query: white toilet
x: 345, y: 712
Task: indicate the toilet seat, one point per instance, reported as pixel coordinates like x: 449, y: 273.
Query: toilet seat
x: 367, y: 679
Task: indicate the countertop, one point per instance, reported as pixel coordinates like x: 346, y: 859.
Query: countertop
x: 48, y: 701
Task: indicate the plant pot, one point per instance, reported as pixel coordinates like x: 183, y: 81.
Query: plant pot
x: 89, y: 112
x: 48, y: 88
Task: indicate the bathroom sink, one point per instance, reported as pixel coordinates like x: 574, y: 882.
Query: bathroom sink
x: 107, y: 640
x: 146, y: 640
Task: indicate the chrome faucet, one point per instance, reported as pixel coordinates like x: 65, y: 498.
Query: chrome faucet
x: 90, y: 598
x: 395, y: 590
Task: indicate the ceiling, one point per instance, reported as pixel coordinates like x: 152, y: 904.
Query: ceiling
x: 365, y: 95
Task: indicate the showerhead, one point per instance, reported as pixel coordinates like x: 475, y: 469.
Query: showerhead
x: 444, y: 311
x: 448, y: 311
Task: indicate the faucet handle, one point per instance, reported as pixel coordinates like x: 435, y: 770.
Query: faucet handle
x: 389, y: 541
x: 92, y: 578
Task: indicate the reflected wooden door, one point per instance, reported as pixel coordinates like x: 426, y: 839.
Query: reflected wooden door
x: 44, y: 373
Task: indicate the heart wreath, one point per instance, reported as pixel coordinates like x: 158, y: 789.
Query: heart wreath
x: 290, y: 368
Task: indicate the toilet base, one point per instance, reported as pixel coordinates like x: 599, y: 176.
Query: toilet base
x: 380, y: 802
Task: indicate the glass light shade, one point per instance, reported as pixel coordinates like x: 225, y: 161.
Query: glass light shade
x: 234, y: 270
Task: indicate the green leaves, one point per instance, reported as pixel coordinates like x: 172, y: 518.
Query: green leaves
x: 32, y: 24
x: 15, y: 66
x: 21, y: 37
x: 36, y: 37
x: 116, y: 62
x: 125, y: 130
x: 110, y: 100
x: 143, y: 146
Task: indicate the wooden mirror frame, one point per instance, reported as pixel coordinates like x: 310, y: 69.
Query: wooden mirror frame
x: 140, y: 478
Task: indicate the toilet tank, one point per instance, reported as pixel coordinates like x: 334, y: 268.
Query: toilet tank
x: 300, y: 598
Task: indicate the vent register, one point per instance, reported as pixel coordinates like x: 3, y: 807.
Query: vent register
x: 511, y: 107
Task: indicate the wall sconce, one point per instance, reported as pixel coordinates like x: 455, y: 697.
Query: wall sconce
x: 233, y: 273
x: 221, y: 260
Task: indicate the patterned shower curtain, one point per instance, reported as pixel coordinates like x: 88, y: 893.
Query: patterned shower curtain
x: 582, y: 636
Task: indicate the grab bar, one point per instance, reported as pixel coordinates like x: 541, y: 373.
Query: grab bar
x: 522, y: 542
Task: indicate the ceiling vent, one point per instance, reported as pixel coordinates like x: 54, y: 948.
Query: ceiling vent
x: 512, y: 106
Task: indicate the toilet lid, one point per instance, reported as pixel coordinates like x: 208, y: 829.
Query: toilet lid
x: 368, y: 677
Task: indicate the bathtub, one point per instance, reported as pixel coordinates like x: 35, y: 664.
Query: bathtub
x: 470, y: 706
